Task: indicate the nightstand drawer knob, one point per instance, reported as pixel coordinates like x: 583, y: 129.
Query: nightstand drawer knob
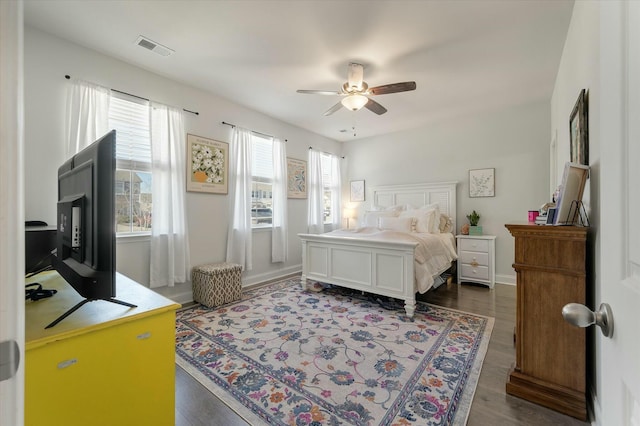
x: 474, y: 263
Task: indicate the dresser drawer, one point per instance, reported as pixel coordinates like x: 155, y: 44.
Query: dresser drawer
x: 477, y: 272
x: 472, y: 244
x: 470, y: 257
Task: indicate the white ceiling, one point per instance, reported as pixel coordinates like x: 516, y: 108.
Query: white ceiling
x: 464, y: 56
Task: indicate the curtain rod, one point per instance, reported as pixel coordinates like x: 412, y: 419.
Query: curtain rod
x: 138, y: 97
x: 325, y: 152
x: 252, y: 131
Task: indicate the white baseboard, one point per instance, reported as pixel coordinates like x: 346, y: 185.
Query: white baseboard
x: 270, y: 276
x: 506, y: 279
x: 182, y: 293
x: 179, y: 293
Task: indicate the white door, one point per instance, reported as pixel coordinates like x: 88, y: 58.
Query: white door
x: 11, y: 215
x: 618, y: 358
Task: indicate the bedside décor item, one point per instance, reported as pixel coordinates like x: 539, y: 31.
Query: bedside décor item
x: 476, y: 259
x: 357, y: 190
x: 348, y: 213
x: 207, y: 165
x: 579, y: 130
x: 296, y: 178
x: 482, y: 183
x: 533, y: 214
x: 464, y: 230
x: 474, y: 229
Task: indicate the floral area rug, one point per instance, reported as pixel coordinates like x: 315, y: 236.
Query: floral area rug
x: 285, y: 356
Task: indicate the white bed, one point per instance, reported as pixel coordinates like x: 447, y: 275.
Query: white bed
x: 380, y: 262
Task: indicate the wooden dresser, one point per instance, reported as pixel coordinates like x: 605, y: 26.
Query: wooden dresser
x: 105, y: 364
x: 550, y: 368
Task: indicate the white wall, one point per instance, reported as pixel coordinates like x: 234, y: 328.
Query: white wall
x: 514, y: 141
x: 48, y: 59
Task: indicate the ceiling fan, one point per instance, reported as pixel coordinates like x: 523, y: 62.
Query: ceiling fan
x: 355, y: 92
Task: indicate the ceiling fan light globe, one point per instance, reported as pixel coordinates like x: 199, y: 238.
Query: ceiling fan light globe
x: 354, y: 102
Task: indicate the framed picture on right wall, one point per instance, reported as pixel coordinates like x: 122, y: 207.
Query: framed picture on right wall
x: 579, y: 130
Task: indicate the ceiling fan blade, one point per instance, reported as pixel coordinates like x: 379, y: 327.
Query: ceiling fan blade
x: 333, y: 109
x: 393, y: 88
x: 319, y: 92
x: 355, y: 76
x: 375, y: 107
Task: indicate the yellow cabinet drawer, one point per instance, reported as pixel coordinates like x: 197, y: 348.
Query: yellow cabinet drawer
x: 119, y: 375
x: 475, y: 272
x: 472, y: 244
x: 472, y: 257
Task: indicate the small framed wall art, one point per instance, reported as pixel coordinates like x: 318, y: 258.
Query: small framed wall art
x: 579, y: 130
x: 296, y: 178
x: 207, y: 165
x: 482, y: 183
x: 357, y: 190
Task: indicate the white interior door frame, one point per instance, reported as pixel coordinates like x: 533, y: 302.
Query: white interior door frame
x: 11, y: 207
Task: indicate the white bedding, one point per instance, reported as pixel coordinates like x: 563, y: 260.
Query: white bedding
x: 433, y: 254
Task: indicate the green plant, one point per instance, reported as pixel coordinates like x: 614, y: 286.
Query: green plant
x: 474, y: 217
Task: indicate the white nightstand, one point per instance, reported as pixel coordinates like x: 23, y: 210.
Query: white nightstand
x: 477, y: 259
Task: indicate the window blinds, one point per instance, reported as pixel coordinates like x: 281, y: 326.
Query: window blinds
x: 130, y: 117
x: 262, y: 159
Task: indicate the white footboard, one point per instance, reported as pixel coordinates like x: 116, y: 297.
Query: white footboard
x: 378, y: 267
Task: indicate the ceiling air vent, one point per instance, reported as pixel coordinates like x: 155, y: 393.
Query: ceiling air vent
x: 153, y: 46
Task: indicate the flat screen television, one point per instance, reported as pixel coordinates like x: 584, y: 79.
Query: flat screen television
x: 85, y: 246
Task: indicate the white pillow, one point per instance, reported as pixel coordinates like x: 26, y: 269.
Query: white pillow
x: 402, y: 224
x: 434, y: 228
x: 370, y: 218
x: 396, y: 208
x: 423, y: 219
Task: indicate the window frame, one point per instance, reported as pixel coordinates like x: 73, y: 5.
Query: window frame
x: 261, y: 180
x: 133, y: 165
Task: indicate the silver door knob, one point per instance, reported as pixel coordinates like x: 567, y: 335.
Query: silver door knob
x: 581, y: 316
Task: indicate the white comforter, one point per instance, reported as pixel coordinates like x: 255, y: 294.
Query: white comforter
x: 433, y: 254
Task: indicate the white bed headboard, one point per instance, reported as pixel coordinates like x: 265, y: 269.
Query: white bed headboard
x: 418, y: 195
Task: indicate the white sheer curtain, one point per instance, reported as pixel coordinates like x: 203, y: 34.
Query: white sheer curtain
x: 279, y: 207
x: 87, y: 114
x: 336, y: 193
x: 170, y: 260
x: 239, y: 241
x: 315, y: 219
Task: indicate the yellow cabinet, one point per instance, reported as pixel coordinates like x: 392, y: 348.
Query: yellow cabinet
x: 105, y: 364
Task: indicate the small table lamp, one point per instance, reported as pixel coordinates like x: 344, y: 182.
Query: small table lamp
x: 348, y: 214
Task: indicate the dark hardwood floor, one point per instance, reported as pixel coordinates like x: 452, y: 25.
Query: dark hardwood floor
x: 196, y: 406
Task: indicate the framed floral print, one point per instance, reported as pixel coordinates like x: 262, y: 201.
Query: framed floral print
x: 482, y: 183
x: 357, y: 190
x: 296, y: 178
x: 207, y: 165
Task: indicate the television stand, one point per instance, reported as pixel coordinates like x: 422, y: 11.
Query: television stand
x: 82, y: 303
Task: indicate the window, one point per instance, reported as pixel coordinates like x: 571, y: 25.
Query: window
x: 328, y: 187
x: 129, y: 116
x: 262, y: 181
